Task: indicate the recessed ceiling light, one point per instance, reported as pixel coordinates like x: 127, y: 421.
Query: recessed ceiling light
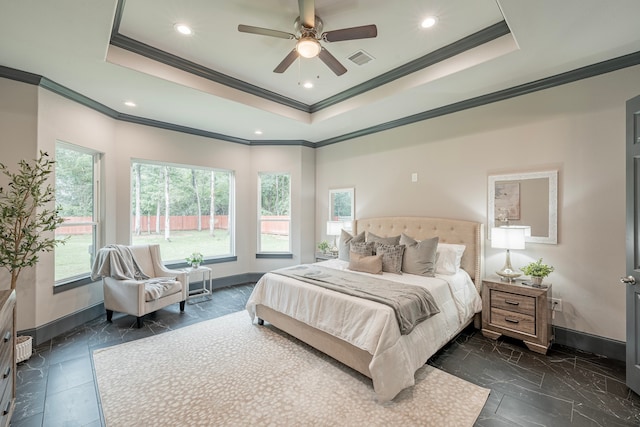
x: 307, y: 85
x: 183, y: 29
x: 258, y: 132
x: 429, y: 22
x: 130, y: 103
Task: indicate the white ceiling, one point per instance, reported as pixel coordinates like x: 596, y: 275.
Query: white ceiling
x: 67, y: 42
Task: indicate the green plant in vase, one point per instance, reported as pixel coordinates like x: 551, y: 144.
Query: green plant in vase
x: 538, y: 271
x: 323, y: 247
x: 195, y: 259
x: 27, y: 222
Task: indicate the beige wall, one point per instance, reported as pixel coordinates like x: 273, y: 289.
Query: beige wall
x: 578, y: 129
x: 18, y: 141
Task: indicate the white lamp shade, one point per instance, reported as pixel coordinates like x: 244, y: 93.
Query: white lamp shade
x: 507, y: 237
x: 526, y: 228
x: 334, y: 228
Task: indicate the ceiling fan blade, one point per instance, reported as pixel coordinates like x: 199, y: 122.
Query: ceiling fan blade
x: 265, y: 32
x: 286, y: 62
x: 363, y: 32
x: 307, y: 13
x: 331, y: 62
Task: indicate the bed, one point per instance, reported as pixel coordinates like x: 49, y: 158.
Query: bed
x: 365, y: 335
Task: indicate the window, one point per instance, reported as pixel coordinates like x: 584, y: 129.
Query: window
x: 185, y: 209
x: 77, y: 189
x: 274, y: 220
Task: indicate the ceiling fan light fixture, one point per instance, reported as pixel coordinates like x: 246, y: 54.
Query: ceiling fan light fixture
x: 308, y: 47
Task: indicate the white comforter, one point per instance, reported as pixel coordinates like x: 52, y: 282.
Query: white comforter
x: 372, y: 326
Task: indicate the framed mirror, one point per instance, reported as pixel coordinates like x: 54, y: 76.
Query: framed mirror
x: 530, y: 199
x: 341, y: 204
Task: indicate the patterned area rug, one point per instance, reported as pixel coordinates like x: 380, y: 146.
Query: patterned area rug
x: 229, y: 372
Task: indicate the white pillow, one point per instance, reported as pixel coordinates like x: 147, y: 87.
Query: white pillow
x: 448, y: 258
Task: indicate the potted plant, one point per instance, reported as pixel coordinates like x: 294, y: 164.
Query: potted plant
x: 195, y: 259
x: 323, y: 246
x: 538, y: 271
x: 27, y: 222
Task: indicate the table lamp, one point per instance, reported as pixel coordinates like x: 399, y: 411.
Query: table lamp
x: 508, y: 238
x: 334, y: 228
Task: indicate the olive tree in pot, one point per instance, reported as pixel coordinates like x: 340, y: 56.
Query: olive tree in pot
x: 26, y: 220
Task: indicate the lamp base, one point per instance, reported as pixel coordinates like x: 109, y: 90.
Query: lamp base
x: 508, y: 274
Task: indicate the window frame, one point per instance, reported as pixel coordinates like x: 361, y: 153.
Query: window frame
x: 208, y: 259
x: 272, y: 254
x: 96, y: 223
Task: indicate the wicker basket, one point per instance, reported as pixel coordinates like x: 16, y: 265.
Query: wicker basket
x: 23, y: 348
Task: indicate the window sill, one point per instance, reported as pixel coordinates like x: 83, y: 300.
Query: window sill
x: 72, y: 284
x: 274, y: 256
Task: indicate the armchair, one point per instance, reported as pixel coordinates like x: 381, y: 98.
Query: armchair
x: 139, y: 297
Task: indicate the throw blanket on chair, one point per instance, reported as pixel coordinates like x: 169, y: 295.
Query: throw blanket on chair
x: 118, y: 262
x: 411, y: 304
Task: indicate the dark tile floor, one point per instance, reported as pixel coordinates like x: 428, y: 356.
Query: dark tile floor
x: 56, y: 387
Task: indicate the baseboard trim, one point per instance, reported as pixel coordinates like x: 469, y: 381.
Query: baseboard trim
x: 590, y: 343
x: 60, y: 326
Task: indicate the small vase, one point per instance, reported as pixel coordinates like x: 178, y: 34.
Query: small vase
x: 195, y: 264
x: 537, y: 280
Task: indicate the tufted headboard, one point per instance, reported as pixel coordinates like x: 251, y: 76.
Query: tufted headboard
x: 468, y: 233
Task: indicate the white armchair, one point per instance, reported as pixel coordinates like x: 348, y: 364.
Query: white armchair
x: 140, y: 297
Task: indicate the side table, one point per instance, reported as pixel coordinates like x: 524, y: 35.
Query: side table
x: 206, y: 290
x: 324, y: 257
x: 517, y: 311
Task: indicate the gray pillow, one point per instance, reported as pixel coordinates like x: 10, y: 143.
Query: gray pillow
x: 393, y: 240
x: 391, y: 257
x: 361, y: 248
x: 419, y: 257
x: 344, y: 244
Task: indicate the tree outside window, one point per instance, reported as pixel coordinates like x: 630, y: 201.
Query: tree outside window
x: 185, y: 209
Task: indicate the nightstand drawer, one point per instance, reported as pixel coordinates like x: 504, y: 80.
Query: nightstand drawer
x: 513, y: 302
x: 516, y: 321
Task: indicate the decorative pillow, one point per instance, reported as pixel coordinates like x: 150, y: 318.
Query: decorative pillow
x: 343, y: 244
x: 367, y: 264
x: 419, y: 257
x: 391, y: 257
x: 394, y: 240
x: 362, y: 248
x: 448, y: 258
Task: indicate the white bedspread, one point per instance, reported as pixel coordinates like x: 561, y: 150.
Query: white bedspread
x: 372, y: 326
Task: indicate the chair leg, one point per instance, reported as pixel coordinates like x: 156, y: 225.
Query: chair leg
x: 182, y: 305
x: 139, y: 322
x: 109, y: 316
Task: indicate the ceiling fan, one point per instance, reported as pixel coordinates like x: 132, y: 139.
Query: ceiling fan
x: 308, y: 34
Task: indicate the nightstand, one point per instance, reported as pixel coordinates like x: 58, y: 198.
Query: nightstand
x: 517, y: 311
x: 325, y: 257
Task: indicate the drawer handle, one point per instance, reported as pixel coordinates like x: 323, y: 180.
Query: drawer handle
x: 511, y: 320
x: 511, y: 302
x: 7, y: 372
x: 7, y: 409
x: 7, y: 336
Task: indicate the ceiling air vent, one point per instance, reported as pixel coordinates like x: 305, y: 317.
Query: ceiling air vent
x: 360, y: 57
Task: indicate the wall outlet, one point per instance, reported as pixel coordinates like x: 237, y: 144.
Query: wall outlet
x: 414, y: 177
x: 556, y: 304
